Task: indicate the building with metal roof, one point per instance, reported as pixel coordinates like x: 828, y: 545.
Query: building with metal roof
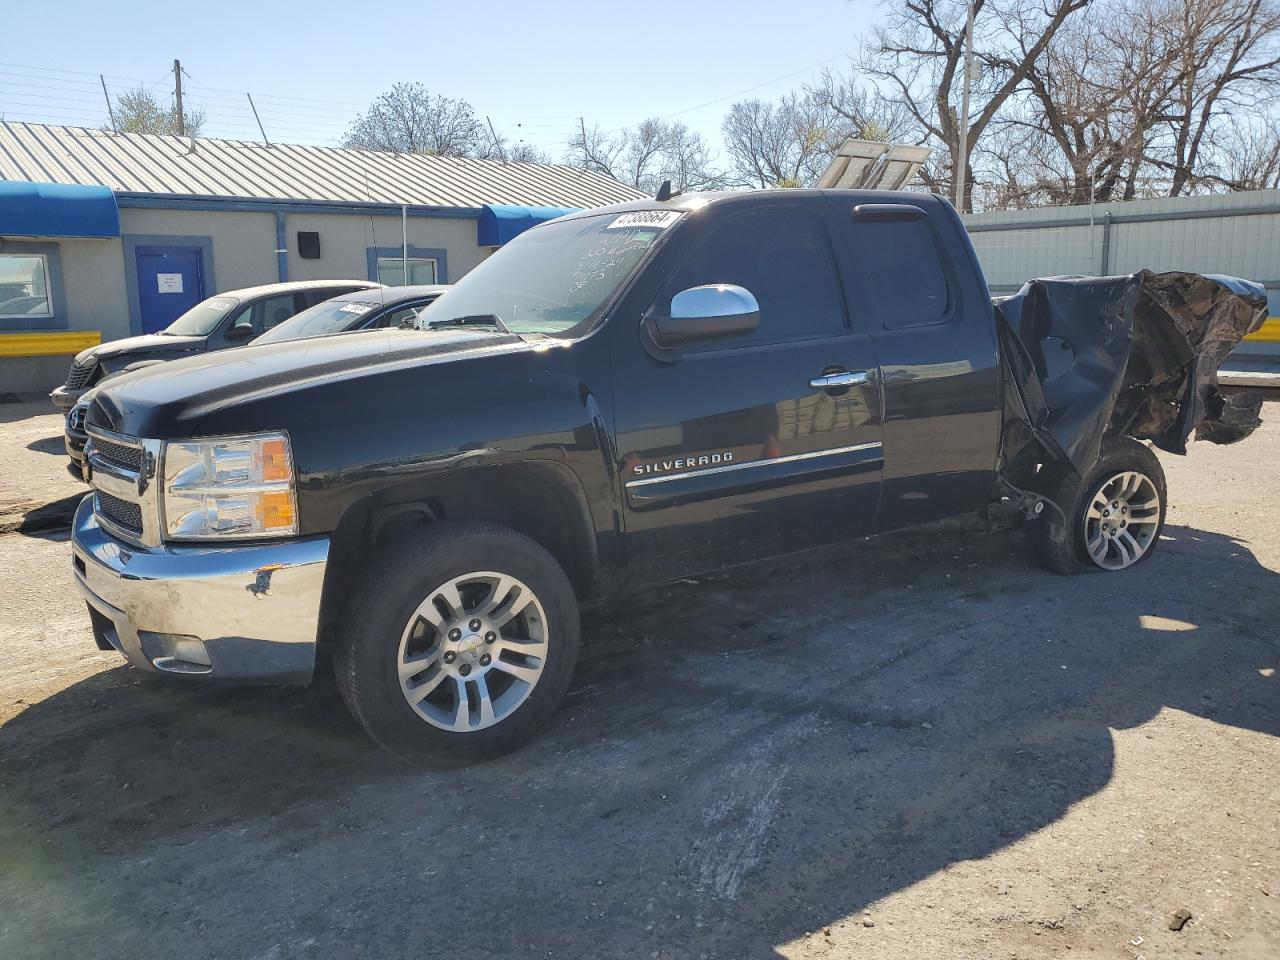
x: 105, y: 235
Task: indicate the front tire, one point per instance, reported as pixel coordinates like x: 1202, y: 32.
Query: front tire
x: 1111, y: 521
x: 459, y: 645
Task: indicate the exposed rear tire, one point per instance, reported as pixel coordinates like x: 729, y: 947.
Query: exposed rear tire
x: 1113, y: 519
x: 459, y: 644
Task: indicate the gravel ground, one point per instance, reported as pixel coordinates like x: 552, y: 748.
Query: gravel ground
x: 34, y: 483
x: 910, y: 747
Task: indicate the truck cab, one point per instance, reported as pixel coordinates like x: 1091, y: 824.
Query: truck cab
x: 865, y: 398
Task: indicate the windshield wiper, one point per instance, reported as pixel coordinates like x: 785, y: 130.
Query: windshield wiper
x: 471, y: 320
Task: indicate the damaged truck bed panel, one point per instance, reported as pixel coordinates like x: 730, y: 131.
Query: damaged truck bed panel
x: 1135, y: 355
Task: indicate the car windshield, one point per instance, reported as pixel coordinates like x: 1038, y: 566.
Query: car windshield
x: 202, y: 319
x: 331, y: 316
x: 552, y: 278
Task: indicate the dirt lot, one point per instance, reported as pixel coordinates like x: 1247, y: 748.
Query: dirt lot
x: 914, y: 747
x: 34, y: 484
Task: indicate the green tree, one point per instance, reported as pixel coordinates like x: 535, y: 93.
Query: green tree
x: 408, y: 118
x: 138, y: 111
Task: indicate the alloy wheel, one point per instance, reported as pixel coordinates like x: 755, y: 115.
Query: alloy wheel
x: 472, y: 652
x: 1122, y: 520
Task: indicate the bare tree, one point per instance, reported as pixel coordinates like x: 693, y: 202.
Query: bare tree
x: 1138, y: 99
x: 783, y: 144
x: 647, y: 154
x: 689, y: 162
x: 409, y: 119
x: 918, y: 58
x: 1228, y: 62
x: 522, y: 152
x: 592, y: 149
x: 1249, y: 156
x: 503, y: 148
x: 138, y: 111
x: 857, y: 110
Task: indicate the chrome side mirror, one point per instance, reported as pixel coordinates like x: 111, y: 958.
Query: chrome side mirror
x: 709, y: 312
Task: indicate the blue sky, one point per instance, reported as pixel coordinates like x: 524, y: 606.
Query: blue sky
x: 532, y: 67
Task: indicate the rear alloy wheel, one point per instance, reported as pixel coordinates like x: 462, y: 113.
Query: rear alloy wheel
x: 459, y: 644
x: 1122, y: 519
x: 1110, y: 521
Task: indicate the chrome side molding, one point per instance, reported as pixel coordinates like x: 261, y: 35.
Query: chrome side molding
x: 755, y: 464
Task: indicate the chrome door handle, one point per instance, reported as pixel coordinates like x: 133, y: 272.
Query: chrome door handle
x: 831, y: 380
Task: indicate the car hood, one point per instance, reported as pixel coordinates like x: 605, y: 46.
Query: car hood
x: 169, y: 400
x: 147, y: 345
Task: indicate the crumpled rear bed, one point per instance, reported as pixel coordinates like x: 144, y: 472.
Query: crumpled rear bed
x: 1137, y: 355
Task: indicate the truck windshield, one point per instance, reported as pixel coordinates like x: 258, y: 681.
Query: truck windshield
x: 202, y: 319
x: 331, y: 316
x: 555, y: 277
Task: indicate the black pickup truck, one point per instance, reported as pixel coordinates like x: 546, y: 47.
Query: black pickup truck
x: 617, y: 397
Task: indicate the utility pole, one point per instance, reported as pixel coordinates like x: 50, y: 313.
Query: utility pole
x: 496, y: 142
x: 255, y: 117
x: 177, y: 96
x: 110, y: 111
x: 963, y: 160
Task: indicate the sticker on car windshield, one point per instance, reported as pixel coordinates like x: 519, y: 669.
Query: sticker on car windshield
x: 653, y: 219
x: 220, y: 304
x: 356, y: 308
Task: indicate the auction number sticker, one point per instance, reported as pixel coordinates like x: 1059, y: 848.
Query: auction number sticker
x: 653, y: 219
x: 357, y: 308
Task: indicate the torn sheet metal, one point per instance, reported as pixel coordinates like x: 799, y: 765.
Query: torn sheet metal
x: 1136, y: 355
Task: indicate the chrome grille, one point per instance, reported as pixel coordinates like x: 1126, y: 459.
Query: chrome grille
x: 117, y: 454
x: 126, y: 515
x: 122, y: 472
x: 80, y: 374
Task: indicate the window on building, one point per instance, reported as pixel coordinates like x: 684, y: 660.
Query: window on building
x: 391, y: 271
x: 24, y: 286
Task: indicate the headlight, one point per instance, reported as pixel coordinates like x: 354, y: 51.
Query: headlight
x: 234, y: 487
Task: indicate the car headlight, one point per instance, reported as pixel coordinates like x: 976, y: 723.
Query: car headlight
x: 233, y: 487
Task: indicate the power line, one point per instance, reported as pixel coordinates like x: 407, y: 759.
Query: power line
x: 758, y: 86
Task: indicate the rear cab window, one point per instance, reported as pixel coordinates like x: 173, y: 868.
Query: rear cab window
x: 901, y: 260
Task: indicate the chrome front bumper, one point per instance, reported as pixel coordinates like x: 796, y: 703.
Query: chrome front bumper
x: 243, y: 613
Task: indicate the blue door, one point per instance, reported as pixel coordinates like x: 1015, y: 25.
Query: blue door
x: 170, y: 282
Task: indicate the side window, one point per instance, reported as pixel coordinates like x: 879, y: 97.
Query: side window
x: 902, y: 260
x: 264, y: 314
x: 783, y: 257
x: 309, y: 298
x: 397, y: 317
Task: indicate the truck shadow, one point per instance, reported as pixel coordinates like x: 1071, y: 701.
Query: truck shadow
x: 52, y: 445
x: 744, y: 758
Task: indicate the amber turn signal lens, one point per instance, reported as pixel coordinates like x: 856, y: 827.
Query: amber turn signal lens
x: 275, y: 510
x: 273, y: 460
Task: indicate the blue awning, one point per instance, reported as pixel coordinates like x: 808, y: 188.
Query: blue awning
x: 57, y: 210
x: 502, y: 222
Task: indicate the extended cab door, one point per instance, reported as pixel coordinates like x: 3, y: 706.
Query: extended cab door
x: 737, y: 448
x: 929, y: 311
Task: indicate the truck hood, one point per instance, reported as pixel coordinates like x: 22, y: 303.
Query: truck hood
x: 169, y: 400
x: 140, y: 348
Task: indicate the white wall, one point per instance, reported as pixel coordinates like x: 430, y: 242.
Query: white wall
x: 244, y: 254
x: 244, y: 244
x: 345, y: 240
